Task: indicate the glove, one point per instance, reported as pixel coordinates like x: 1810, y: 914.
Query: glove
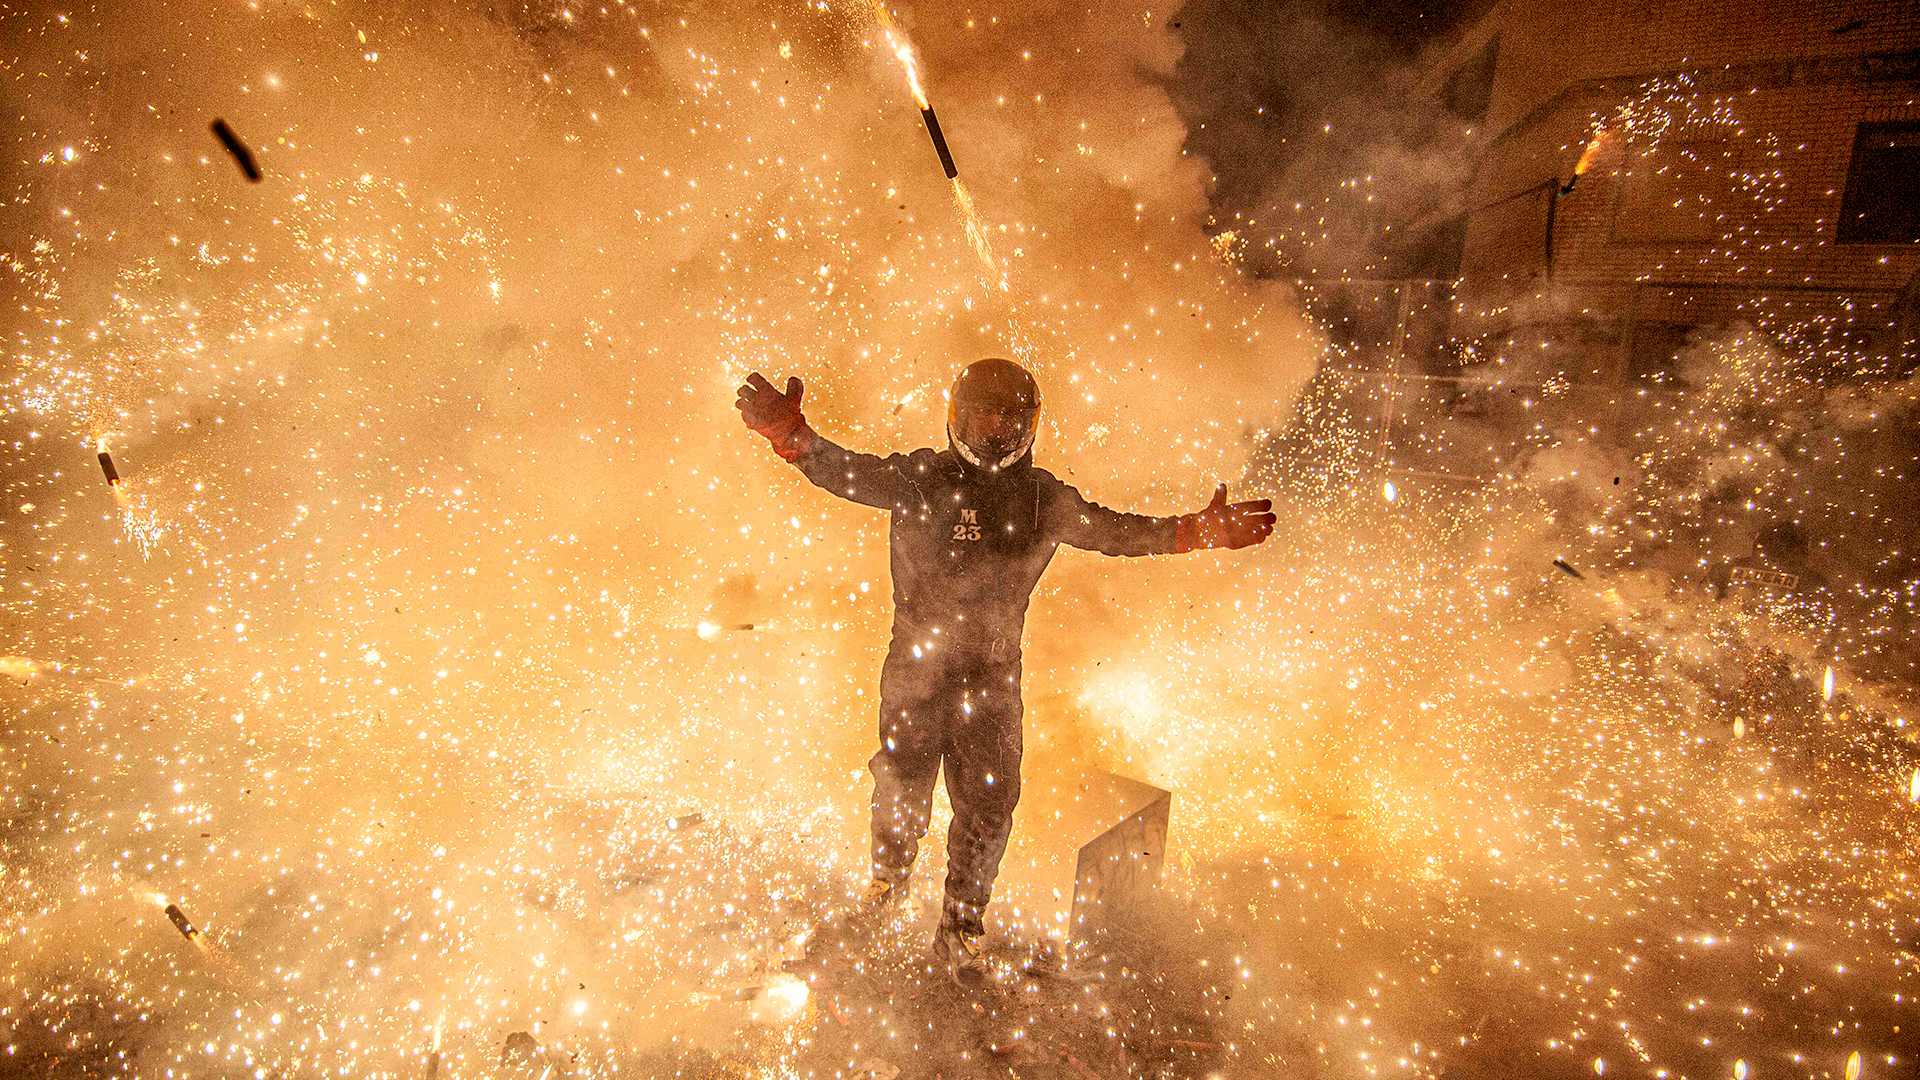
x: 1221, y: 524
x: 776, y: 415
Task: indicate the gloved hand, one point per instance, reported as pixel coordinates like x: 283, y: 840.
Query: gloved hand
x: 776, y: 415
x: 1223, y: 524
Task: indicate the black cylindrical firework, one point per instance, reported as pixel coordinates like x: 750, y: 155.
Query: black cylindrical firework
x: 106, y: 466
x: 939, y: 141
x: 241, y: 155
x: 180, y: 923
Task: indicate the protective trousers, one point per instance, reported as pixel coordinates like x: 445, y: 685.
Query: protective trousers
x: 962, y: 708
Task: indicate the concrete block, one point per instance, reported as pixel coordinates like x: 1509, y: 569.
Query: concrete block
x: 1087, y: 847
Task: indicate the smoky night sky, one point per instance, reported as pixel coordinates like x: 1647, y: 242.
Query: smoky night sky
x: 1258, y: 81
x: 446, y: 684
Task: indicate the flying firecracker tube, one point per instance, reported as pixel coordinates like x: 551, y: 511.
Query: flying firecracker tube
x: 222, y: 962
x: 113, y: 476
x: 180, y: 923
x: 904, y: 53
x: 238, y: 149
x: 939, y: 142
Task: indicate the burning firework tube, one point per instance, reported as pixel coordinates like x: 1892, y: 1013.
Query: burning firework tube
x: 939, y: 141
x: 113, y: 476
x: 241, y: 155
x: 1586, y: 161
x: 180, y: 923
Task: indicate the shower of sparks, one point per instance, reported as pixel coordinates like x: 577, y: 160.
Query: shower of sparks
x: 902, y: 51
x: 1227, y: 244
x: 991, y: 270
x: 493, y: 682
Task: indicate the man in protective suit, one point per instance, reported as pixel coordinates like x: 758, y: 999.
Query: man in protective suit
x: 972, y: 528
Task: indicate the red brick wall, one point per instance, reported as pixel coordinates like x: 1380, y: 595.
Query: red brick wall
x: 1762, y: 190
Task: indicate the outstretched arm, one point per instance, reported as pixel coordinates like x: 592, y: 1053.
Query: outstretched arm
x: 1078, y: 523
x: 1072, y: 520
x: 863, y: 478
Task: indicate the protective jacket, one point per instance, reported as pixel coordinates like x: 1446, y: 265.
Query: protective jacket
x: 968, y: 544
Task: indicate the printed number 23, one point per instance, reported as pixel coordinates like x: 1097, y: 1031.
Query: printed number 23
x: 966, y: 532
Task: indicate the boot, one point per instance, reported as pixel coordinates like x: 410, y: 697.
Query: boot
x: 880, y: 895
x: 959, y: 952
x: 879, y: 900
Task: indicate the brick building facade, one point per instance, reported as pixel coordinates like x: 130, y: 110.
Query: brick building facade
x: 1756, y: 163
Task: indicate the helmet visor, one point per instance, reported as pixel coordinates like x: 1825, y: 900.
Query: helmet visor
x: 995, y: 431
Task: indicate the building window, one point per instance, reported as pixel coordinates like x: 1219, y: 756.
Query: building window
x: 1882, y: 203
